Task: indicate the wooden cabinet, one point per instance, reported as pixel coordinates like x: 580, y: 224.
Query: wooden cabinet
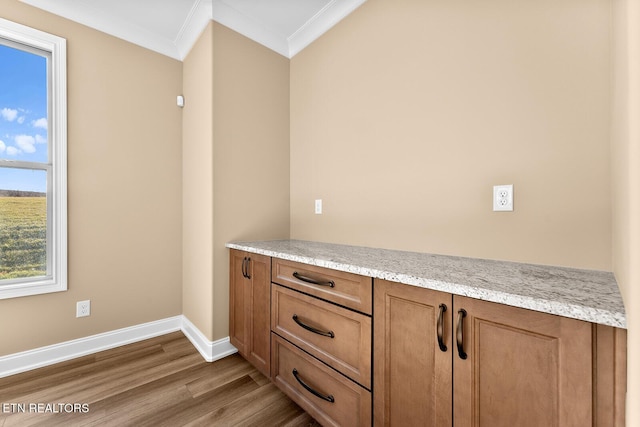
x: 347, y: 289
x: 330, y: 397
x: 249, y: 307
x: 350, y: 350
x: 412, y: 376
x: 494, y: 365
x: 339, y: 337
x: 522, y: 367
x: 321, y: 341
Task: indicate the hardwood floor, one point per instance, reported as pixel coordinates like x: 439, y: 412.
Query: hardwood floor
x: 161, y: 382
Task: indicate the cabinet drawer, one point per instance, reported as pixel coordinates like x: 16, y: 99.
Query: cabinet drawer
x: 339, y: 337
x: 346, y: 289
x: 329, y: 397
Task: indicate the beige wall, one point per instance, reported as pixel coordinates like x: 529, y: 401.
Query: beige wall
x: 405, y: 115
x: 124, y: 160
x: 197, y: 185
x: 236, y: 164
x: 251, y: 153
x: 626, y: 182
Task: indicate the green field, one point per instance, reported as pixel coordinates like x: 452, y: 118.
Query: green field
x: 23, y: 232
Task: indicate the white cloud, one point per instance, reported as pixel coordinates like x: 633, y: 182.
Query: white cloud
x: 2, y: 146
x: 40, y: 123
x: 13, y: 151
x: 41, y: 139
x: 26, y: 143
x: 21, y: 119
x: 8, y: 114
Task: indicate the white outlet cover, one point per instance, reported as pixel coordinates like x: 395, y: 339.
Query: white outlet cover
x: 503, y: 198
x: 83, y: 308
x: 318, y: 206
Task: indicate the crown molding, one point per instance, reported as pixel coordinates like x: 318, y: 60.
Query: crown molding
x: 79, y: 12
x: 320, y: 23
x: 287, y: 46
x: 198, y: 18
x: 240, y: 23
x: 196, y: 22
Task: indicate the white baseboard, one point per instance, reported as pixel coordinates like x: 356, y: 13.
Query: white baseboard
x: 44, y: 356
x: 210, y: 350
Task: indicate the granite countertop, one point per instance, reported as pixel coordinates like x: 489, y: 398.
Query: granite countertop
x: 587, y: 295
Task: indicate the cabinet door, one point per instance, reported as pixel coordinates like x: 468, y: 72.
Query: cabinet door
x: 412, y: 375
x: 237, y: 311
x: 249, y: 307
x: 258, y: 306
x: 522, y: 368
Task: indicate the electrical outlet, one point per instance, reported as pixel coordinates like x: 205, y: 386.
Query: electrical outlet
x: 503, y: 198
x: 83, y: 308
x: 318, y: 209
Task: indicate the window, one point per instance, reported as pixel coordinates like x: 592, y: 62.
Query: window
x: 33, y: 133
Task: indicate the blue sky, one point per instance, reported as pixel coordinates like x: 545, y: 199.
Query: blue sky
x: 23, y: 117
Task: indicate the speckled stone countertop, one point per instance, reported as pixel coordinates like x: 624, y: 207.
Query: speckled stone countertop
x: 580, y: 294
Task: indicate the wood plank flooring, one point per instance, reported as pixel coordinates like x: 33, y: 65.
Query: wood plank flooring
x: 161, y: 382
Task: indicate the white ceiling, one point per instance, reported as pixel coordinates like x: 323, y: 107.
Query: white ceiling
x: 171, y: 27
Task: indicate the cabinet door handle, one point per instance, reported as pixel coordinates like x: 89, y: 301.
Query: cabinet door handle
x: 329, y: 283
x: 244, y: 263
x: 440, y: 327
x: 247, y: 275
x: 462, y: 313
x: 327, y: 397
x: 329, y: 334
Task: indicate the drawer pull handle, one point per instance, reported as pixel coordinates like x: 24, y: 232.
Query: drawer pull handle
x: 462, y: 313
x: 328, y: 397
x: 329, y: 283
x: 329, y: 334
x: 440, y: 328
x: 245, y: 267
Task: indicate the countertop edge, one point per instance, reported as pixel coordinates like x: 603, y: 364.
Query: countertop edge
x: 579, y: 312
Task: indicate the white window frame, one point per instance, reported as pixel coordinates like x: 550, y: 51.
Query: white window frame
x: 56, y: 278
